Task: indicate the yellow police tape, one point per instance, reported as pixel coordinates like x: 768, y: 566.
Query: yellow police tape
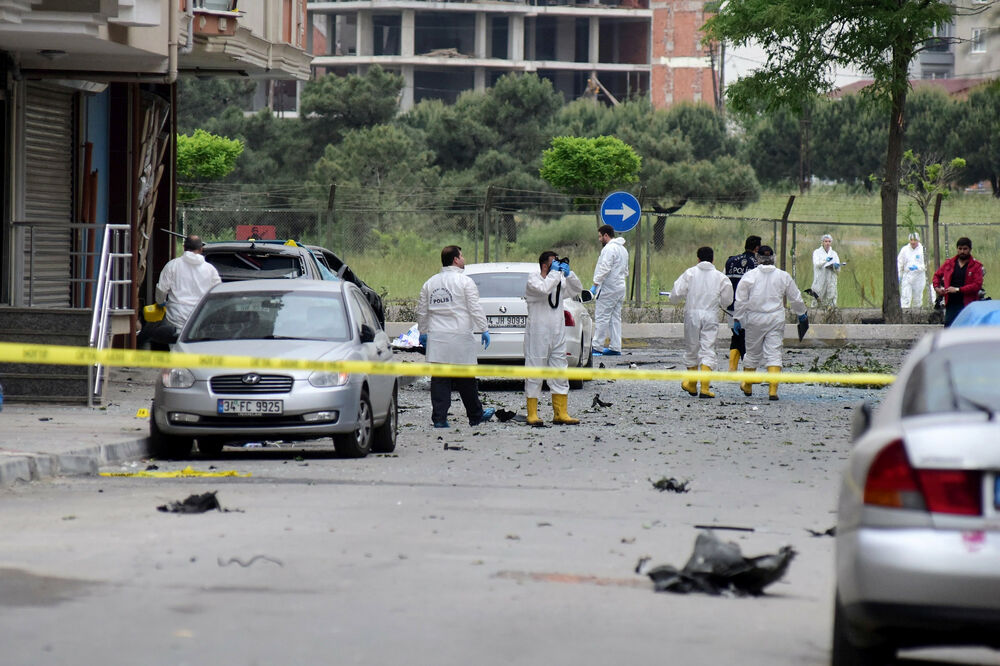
x: 62, y: 355
x: 176, y: 474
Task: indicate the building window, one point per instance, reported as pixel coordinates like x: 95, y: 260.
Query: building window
x: 979, y: 40
x: 939, y: 41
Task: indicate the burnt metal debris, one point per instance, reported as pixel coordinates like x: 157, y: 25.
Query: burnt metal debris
x: 719, y: 568
x: 504, y: 415
x: 671, y: 484
x: 599, y: 403
x: 193, y: 504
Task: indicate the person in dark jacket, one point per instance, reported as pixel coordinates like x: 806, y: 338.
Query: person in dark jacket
x: 736, y: 267
x: 958, y: 280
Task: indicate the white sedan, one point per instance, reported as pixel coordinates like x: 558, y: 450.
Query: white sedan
x: 501, y: 293
x: 918, y: 525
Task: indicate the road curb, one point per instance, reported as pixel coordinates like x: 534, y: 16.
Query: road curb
x: 17, y: 466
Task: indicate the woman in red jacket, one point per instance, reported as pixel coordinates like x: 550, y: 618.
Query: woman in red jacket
x: 959, y: 280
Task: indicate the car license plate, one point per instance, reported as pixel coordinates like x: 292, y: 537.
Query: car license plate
x: 250, y: 407
x: 507, y: 321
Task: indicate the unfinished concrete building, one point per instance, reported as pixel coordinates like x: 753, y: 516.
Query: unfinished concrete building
x: 615, y: 49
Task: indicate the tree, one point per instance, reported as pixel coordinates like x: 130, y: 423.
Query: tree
x: 575, y: 165
x: 975, y: 138
x: 923, y: 178
x: 203, y: 156
x: 772, y: 146
x: 848, y: 139
x: 804, y: 40
x: 200, y: 100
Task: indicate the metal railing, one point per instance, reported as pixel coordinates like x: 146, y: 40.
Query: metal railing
x: 112, y: 292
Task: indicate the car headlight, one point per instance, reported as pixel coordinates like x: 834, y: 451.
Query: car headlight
x: 177, y: 378
x: 322, y: 379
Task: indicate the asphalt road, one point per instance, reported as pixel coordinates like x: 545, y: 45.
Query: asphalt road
x: 500, y: 544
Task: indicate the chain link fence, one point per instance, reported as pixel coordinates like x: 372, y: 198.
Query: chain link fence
x: 393, y: 239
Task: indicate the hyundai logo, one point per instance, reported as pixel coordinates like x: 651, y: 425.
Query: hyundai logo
x: 251, y: 378
x: 503, y: 308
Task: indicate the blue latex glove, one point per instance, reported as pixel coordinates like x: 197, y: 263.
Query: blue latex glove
x: 593, y: 290
x: 829, y: 258
x: 737, y: 327
x: 803, y: 317
x: 564, y: 267
x: 837, y: 265
x: 913, y: 268
x: 555, y: 266
x: 422, y: 339
x: 486, y: 339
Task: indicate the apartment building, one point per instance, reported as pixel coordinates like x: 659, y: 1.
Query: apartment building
x: 87, y: 131
x: 968, y: 47
x: 617, y: 49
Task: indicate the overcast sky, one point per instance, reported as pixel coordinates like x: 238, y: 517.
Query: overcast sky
x: 742, y: 61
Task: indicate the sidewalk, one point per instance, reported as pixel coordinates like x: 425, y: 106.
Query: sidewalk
x: 42, y: 440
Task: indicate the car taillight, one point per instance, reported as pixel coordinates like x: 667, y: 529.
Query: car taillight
x: 952, y: 490
x: 892, y: 482
x: 569, y: 318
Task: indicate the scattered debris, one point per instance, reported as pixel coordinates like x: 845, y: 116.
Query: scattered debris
x: 504, y: 415
x: 152, y: 468
x: 193, y: 504
x: 720, y: 568
x: 643, y: 561
x: 832, y: 531
x: 601, y: 365
x: 724, y: 527
x: 454, y: 448
x: 45, y: 418
x: 671, y: 484
x: 253, y: 559
x: 599, y: 403
x: 513, y: 537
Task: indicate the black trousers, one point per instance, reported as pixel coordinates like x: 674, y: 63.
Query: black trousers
x: 468, y: 389
x: 739, y: 342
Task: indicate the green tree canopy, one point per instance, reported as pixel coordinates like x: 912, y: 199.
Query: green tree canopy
x: 577, y: 165
x: 977, y: 139
x: 804, y: 40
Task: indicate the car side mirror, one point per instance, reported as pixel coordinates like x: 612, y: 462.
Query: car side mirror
x: 861, y: 420
x: 586, y: 296
x: 367, y: 334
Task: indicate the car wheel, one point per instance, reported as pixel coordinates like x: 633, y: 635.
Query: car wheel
x: 358, y: 443
x: 210, y: 447
x: 847, y: 652
x: 167, y: 447
x: 384, y: 438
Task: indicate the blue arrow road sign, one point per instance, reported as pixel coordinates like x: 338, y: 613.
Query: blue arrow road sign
x: 620, y: 210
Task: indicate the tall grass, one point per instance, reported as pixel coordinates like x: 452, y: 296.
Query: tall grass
x: 398, y: 262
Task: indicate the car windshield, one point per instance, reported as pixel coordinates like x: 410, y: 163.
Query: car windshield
x: 504, y: 284
x: 960, y: 378
x: 271, y: 315
x: 254, y: 265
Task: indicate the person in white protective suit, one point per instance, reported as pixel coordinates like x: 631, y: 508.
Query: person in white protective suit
x: 449, y: 316
x: 912, y: 270
x: 545, y: 334
x: 826, y: 267
x: 183, y: 281
x: 610, y: 276
x: 760, y: 310
x: 704, y: 290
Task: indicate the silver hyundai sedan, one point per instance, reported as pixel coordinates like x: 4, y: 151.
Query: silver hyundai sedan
x: 278, y: 319
x: 918, y: 526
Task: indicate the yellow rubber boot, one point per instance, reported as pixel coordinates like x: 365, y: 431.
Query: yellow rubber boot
x: 747, y: 387
x: 734, y: 360
x: 560, y: 405
x: 690, y: 385
x: 706, y: 391
x: 772, y: 391
x: 533, y: 419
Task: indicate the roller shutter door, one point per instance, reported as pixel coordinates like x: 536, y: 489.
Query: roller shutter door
x: 48, y: 194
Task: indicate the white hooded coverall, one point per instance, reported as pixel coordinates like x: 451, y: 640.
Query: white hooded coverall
x: 545, y: 333
x: 448, y: 311
x: 912, y: 273
x: 704, y: 290
x: 182, y: 283
x: 825, y: 275
x: 760, y: 310
x: 610, y: 276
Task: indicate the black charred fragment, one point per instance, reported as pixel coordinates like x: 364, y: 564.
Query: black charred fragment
x: 193, y: 504
x: 671, y: 484
x: 720, y: 568
x: 504, y: 415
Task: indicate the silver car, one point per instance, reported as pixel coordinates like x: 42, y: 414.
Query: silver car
x: 918, y: 525
x: 293, y: 319
x: 501, y: 293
